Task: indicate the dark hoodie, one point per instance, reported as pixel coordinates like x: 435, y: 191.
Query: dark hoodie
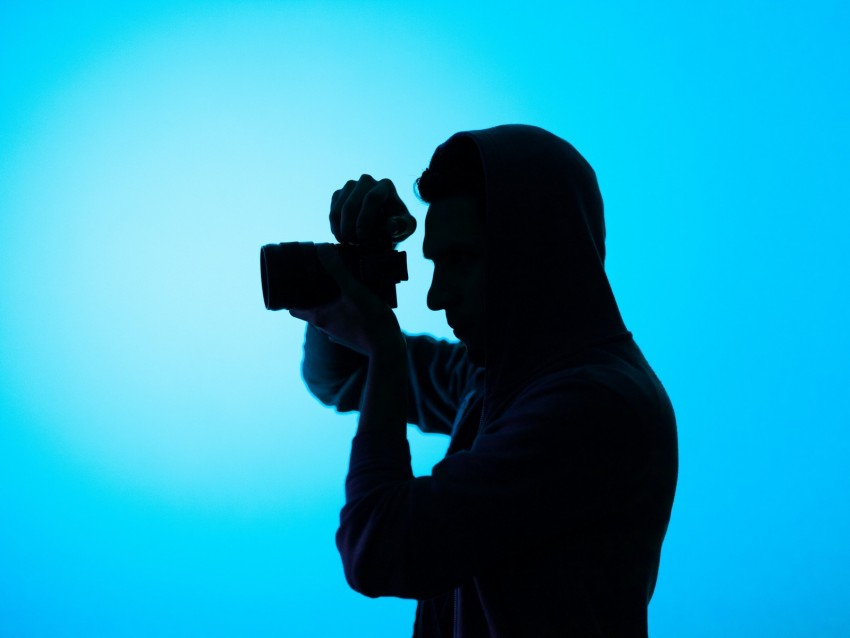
x: 546, y: 517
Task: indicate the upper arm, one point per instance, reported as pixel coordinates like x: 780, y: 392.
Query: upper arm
x: 439, y: 376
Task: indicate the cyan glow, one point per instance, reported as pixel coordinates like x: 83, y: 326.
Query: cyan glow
x: 163, y: 471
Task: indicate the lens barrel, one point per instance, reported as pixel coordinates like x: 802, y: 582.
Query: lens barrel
x: 293, y: 277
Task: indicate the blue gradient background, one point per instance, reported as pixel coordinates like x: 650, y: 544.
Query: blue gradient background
x: 163, y: 470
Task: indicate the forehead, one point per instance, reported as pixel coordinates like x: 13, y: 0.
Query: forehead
x: 452, y: 221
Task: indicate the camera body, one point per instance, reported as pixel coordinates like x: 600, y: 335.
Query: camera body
x: 293, y: 277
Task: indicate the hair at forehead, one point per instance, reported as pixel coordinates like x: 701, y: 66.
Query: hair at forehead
x: 455, y: 169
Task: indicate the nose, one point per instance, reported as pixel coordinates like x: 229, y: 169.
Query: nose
x: 439, y: 294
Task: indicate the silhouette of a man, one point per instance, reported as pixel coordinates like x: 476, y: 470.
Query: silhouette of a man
x: 547, y: 515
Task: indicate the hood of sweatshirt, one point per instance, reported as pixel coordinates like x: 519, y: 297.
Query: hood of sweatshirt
x: 548, y: 296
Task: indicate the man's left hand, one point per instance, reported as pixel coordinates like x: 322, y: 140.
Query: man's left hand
x: 358, y: 318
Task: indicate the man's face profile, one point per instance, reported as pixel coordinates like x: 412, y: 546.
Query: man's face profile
x: 455, y: 241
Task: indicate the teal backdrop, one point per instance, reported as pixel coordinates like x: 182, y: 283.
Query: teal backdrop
x: 163, y: 469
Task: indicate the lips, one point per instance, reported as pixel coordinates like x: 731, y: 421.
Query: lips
x: 458, y: 330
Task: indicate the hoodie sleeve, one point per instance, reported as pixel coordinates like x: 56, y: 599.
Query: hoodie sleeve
x: 556, y: 462
x: 439, y: 374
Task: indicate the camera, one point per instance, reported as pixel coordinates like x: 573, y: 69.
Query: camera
x: 293, y: 277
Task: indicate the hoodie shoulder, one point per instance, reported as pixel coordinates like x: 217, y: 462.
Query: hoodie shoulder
x: 610, y: 384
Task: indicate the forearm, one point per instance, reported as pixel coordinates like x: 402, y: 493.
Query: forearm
x: 384, y: 402
x: 380, y: 455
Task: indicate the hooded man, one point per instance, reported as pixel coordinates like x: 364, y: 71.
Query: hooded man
x: 547, y: 515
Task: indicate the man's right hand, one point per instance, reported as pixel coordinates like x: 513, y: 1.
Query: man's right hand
x: 368, y: 210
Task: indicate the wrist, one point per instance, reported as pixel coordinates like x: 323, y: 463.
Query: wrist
x: 391, y: 351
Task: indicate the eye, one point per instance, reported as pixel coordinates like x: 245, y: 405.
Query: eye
x: 456, y: 259
x: 460, y: 257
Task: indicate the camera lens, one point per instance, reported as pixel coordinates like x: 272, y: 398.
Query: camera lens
x: 292, y: 276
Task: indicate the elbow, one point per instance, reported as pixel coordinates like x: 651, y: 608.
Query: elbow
x: 364, y: 574
x: 376, y: 579
x: 363, y: 581
x: 322, y: 392
x: 375, y: 573
x: 343, y: 394
x: 368, y: 570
